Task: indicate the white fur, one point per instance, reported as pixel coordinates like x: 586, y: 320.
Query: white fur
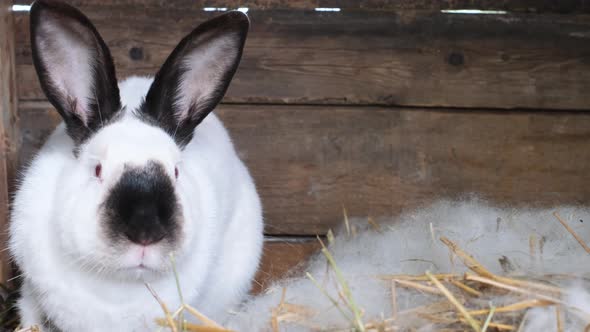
x: 410, y: 244
x: 72, y: 277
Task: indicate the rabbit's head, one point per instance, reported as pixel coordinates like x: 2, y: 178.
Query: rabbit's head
x: 121, y: 205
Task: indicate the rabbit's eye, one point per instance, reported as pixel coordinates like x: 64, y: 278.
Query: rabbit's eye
x: 176, y: 172
x: 98, y: 170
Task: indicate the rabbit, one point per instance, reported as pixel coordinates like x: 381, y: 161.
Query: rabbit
x: 137, y: 174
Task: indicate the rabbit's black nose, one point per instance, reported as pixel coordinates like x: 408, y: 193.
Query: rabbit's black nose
x: 141, y: 207
x: 144, y: 227
x: 144, y: 238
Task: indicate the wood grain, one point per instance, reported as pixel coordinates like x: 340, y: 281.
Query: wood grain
x: 280, y: 258
x: 310, y: 161
x: 405, y: 58
x: 529, y: 6
x: 8, y: 119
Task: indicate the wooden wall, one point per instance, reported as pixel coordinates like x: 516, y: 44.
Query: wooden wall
x: 381, y: 107
x: 8, y: 124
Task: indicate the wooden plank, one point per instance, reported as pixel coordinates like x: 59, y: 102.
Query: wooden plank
x: 407, y: 58
x: 310, y: 161
x: 282, y: 256
x: 534, y: 6
x: 36, y: 125
x: 8, y: 119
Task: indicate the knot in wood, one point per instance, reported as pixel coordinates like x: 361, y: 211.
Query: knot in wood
x: 456, y: 59
x: 136, y: 53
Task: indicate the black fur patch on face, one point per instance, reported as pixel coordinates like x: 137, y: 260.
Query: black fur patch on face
x: 142, y: 207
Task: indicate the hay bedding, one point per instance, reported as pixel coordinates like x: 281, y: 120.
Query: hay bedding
x: 453, y: 266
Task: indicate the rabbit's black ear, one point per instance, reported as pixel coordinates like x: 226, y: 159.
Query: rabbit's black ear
x: 75, y: 67
x: 196, y: 75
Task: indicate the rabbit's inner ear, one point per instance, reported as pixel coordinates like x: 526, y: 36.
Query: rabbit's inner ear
x: 74, y: 66
x: 196, y: 75
x: 202, y: 71
x: 67, y: 61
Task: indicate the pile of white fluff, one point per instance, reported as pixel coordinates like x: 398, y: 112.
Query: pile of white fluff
x: 410, y: 244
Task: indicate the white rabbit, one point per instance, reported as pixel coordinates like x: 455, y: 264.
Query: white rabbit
x: 127, y: 180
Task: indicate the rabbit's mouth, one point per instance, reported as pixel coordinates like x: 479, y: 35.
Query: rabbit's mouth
x: 140, y: 261
x: 142, y: 273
